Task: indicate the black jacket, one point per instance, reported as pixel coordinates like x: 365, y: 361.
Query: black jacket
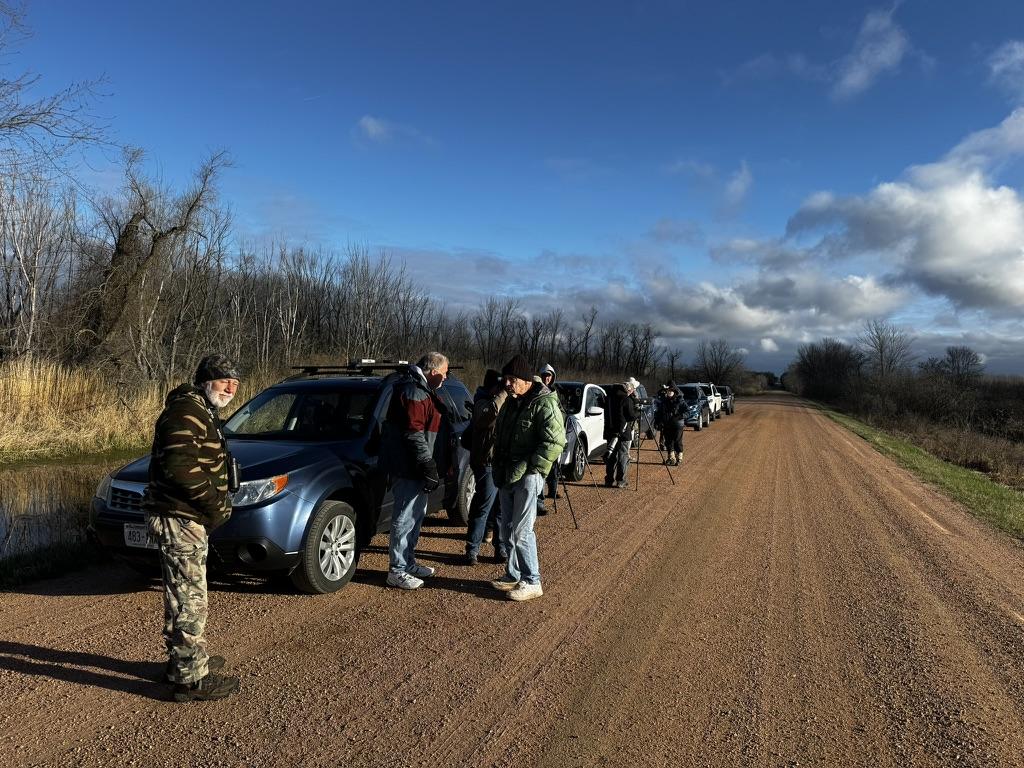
x: 620, y: 414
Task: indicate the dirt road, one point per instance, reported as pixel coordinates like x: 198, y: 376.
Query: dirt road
x: 794, y: 599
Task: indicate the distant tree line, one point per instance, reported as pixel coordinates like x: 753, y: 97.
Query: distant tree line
x: 879, y: 375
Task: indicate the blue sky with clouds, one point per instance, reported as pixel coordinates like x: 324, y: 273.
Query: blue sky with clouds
x: 767, y: 171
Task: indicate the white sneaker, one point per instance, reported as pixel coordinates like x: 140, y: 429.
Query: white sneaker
x: 504, y: 584
x: 421, y: 571
x: 525, y: 592
x: 403, y: 580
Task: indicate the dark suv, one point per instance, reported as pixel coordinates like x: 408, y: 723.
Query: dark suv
x: 312, y: 495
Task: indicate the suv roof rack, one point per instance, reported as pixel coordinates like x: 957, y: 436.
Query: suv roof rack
x: 362, y: 367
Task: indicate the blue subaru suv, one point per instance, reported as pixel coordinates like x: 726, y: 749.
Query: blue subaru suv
x: 312, y: 495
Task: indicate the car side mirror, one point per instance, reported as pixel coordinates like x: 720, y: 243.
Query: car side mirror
x: 595, y: 411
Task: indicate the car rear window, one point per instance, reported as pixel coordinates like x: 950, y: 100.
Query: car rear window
x: 691, y: 393
x: 571, y: 395
x: 304, y: 414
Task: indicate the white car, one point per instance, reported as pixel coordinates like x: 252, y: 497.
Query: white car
x: 584, y: 405
x: 714, y: 398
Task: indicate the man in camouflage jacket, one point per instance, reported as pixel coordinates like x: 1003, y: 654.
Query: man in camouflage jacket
x: 187, y: 497
x: 529, y: 437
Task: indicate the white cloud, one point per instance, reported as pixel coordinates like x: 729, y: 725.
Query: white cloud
x: 945, y: 228
x: 768, y: 345
x: 880, y: 47
x: 379, y: 130
x: 1006, y: 67
x: 738, y: 186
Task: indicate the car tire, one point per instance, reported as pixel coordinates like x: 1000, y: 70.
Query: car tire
x: 459, y: 513
x: 700, y: 423
x: 329, y: 552
x: 577, y: 461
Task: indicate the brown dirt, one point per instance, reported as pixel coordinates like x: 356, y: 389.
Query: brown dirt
x: 794, y: 599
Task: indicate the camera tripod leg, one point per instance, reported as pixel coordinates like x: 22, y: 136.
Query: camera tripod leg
x: 568, y: 501
x: 640, y: 442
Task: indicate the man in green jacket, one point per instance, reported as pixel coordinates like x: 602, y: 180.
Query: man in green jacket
x: 529, y: 437
x: 188, y: 496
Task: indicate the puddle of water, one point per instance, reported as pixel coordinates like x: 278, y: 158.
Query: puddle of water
x: 47, y: 504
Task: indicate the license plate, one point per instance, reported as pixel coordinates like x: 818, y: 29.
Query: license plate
x: 136, y: 535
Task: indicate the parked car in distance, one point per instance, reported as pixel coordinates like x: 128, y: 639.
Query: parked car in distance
x: 728, y: 400
x: 584, y: 406
x: 312, y: 494
x: 713, y: 395
x: 698, y: 408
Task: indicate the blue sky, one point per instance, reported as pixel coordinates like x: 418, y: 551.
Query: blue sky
x: 770, y: 172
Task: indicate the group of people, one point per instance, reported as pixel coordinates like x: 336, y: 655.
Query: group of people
x: 515, y: 439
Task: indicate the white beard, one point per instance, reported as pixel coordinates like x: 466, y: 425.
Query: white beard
x: 219, y: 400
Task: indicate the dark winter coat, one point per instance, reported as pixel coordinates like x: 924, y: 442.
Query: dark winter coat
x: 188, y: 469
x: 621, y: 413
x: 671, y: 412
x: 410, y: 447
x: 485, y: 417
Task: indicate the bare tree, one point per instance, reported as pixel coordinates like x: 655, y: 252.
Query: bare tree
x: 887, y: 349
x: 963, y: 365
x: 718, y: 362
x: 37, y: 131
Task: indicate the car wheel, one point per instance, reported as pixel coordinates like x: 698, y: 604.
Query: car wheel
x: 578, y: 463
x: 700, y: 423
x: 329, y: 552
x: 467, y: 488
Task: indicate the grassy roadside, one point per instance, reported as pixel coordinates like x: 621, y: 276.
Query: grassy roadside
x: 1001, y: 506
x: 55, y: 560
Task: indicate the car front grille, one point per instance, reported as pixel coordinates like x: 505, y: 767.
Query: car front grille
x: 123, y: 500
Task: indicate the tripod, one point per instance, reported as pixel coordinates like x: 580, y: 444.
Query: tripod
x: 586, y: 460
x: 641, y: 436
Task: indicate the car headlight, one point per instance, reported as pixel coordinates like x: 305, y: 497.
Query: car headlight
x: 255, y: 491
x: 103, y: 489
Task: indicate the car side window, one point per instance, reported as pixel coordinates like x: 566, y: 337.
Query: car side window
x: 593, y: 394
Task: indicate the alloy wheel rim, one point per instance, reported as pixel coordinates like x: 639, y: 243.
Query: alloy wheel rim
x: 337, y: 547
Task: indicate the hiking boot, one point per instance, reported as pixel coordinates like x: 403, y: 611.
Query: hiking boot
x: 505, y: 584
x: 421, y: 571
x: 541, y: 510
x: 403, y: 580
x: 622, y: 484
x: 470, y: 558
x: 210, y: 688
x: 488, y: 537
x: 213, y: 664
x: 525, y: 592
x: 500, y: 555
x: 609, y: 483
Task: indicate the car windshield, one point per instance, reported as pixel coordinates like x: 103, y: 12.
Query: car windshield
x: 304, y: 414
x: 571, y: 395
x: 691, y: 394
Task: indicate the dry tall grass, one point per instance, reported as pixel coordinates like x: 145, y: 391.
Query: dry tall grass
x: 51, y: 411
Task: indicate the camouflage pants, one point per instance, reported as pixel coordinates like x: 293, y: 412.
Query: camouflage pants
x: 183, y: 550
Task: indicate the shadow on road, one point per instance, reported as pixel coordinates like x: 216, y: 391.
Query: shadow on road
x: 134, y: 677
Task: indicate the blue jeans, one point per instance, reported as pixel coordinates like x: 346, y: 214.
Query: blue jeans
x: 518, y: 514
x: 406, y: 519
x: 483, y: 512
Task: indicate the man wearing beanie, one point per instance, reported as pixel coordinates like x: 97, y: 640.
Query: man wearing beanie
x: 187, y: 497
x: 529, y: 437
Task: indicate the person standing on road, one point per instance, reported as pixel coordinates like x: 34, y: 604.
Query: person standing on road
x: 483, y: 512
x: 410, y: 452
x: 547, y: 378
x: 618, y: 431
x: 529, y: 436
x: 186, y: 498
x: 672, y: 418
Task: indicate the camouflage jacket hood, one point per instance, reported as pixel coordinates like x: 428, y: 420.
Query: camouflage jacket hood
x: 188, y: 473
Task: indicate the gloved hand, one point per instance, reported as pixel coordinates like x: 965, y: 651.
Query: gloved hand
x: 431, y: 481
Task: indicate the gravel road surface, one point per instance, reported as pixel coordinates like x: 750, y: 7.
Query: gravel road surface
x: 793, y: 599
